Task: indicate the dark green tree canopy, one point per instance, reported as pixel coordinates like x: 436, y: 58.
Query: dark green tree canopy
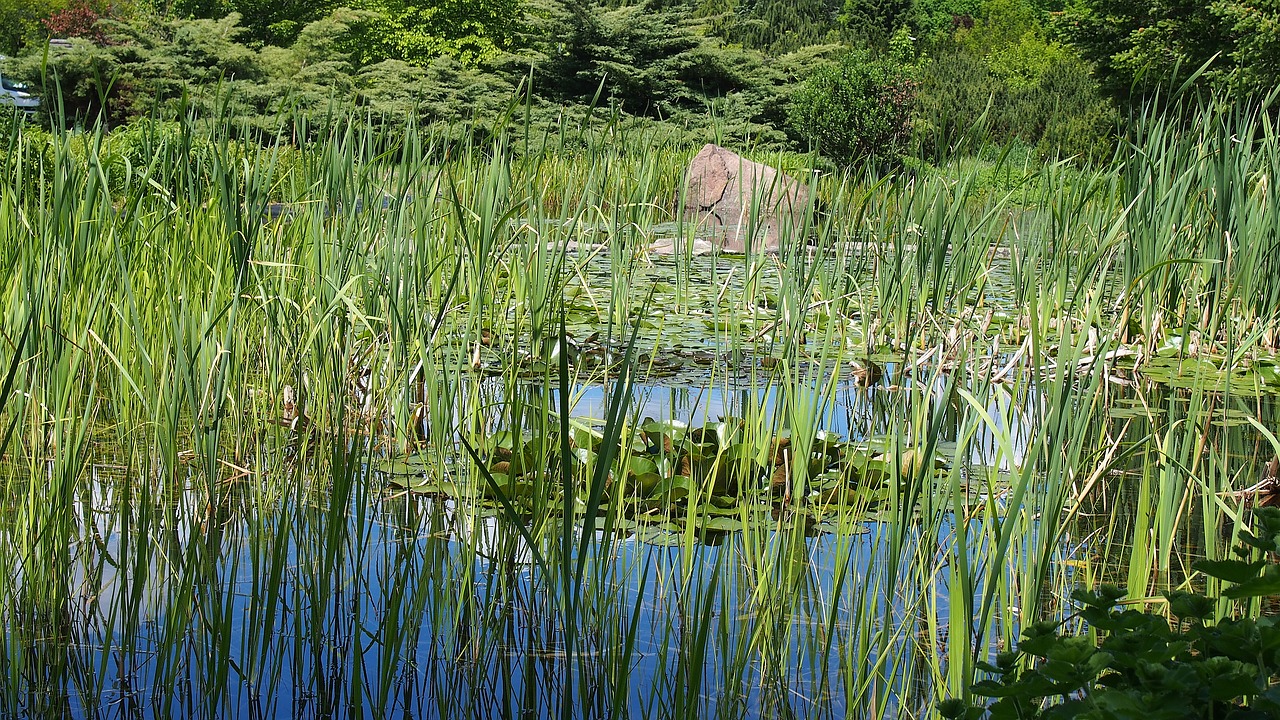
x: 875, y: 20
x: 781, y: 26
x: 400, y: 29
x: 1008, y: 71
x: 275, y: 22
x: 651, y: 59
x: 1138, y: 46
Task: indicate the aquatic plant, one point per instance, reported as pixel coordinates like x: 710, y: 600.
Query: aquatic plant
x: 385, y: 424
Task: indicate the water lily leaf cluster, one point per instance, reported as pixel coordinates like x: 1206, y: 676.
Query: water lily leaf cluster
x: 670, y: 476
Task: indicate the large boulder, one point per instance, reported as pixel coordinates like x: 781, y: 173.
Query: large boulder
x: 723, y: 187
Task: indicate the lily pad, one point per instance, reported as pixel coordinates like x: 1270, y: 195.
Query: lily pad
x: 719, y: 523
x: 659, y: 537
x: 678, y: 487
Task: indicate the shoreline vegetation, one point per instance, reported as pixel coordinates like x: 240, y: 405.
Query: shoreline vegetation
x: 317, y: 399
x: 332, y: 462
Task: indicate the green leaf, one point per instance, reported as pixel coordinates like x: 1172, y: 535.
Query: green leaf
x: 674, y: 488
x: 412, y: 465
x: 1234, y: 571
x: 722, y: 524
x: 659, y: 536
x: 1104, y: 598
x: 1266, y: 584
x: 1190, y: 605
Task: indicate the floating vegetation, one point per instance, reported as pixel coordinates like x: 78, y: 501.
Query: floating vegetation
x: 673, y: 476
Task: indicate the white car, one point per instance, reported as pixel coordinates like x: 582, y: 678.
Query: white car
x: 16, y: 95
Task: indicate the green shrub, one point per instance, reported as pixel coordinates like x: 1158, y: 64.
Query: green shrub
x: 858, y: 109
x: 1077, y: 120
x: 956, y: 89
x: 935, y: 21
x: 966, y: 100
x: 874, y: 20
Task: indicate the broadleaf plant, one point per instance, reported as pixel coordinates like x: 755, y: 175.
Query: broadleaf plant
x: 1143, y: 666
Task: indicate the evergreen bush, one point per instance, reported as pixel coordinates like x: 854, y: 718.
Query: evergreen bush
x: 856, y: 110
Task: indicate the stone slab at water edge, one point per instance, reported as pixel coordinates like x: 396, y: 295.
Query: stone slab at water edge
x: 723, y: 187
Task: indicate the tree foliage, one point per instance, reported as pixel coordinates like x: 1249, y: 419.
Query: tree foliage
x: 730, y: 71
x: 262, y: 21
x: 1002, y: 78
x: 781, y: 26
x: 470, y: 30
x: 31, y: 22
x: 935, y: 21
x: 649, y: 59
x: 165, y: 66
x: 875, y: 20
x: 410, y: 30
x: 1137, y: 46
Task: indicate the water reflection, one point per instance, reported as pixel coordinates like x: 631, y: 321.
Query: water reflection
x: 305, y: 592
x: 428, y: 610
x: 857, y: 413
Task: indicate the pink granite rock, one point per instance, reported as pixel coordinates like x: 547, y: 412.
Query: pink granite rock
x: 723, y: 187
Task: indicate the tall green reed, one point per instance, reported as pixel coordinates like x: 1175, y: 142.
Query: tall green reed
x: 153, y: 318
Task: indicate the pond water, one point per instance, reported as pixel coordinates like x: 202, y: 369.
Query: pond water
x: 433, y: 611
x: 335, y: 576
x: 307, y: 593
x: 288, y: 604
